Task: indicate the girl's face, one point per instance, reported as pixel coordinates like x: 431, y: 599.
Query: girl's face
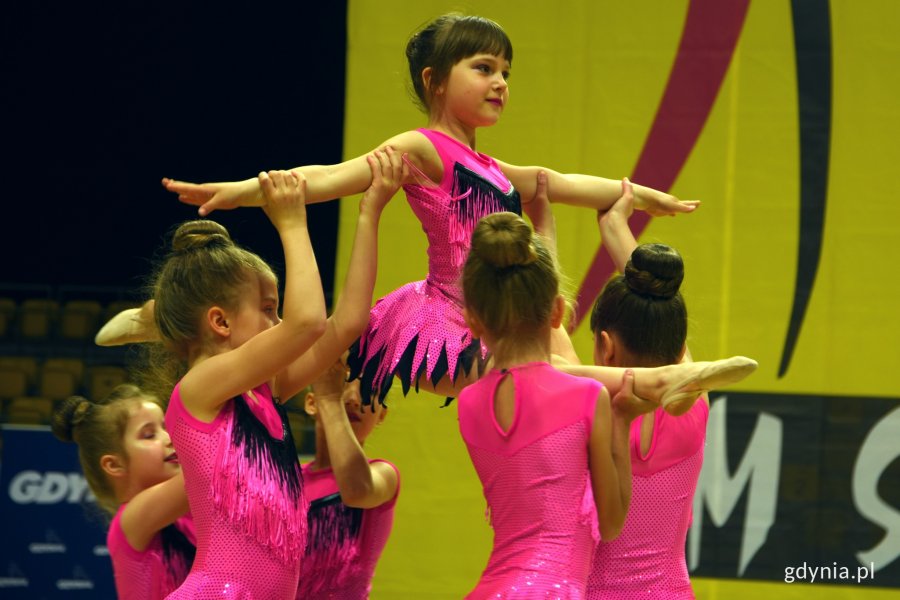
x: 362, y: 418
x: 151, y: 458
x: 257, y: 312
x: 476, y: 90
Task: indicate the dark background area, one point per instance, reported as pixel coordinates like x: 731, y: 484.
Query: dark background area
x: 100, y: 103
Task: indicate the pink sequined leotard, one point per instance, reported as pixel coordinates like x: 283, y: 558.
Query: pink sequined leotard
x: 244, y: 488
x: 536, y: 481
x: 155, y: 571
x: 418, y: 330
x: 344, y: 543
x: 647, y: 559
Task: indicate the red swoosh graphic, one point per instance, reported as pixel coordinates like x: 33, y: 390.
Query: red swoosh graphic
x: 710, y: 35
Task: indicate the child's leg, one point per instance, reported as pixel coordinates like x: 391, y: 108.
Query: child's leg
x: 675, y: 387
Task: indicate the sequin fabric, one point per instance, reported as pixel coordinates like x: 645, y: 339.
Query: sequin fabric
x: 647, y: 559
x: 230, y: 562
x: 536, y: 482
x: 151, y: 573
x: 418, y: 330
x: 340, y: 565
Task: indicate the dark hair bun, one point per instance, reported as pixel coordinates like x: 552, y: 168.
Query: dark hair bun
x: 654, y: 270
x: 69, y: 415
x: 504, y: 240
x: 194, y: 235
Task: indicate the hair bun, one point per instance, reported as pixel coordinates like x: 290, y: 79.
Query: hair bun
x: 194, y: 235
x: 654, y: 270
x: 69, y: 415
x: 504, y: 240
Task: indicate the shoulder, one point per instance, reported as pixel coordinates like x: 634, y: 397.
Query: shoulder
x: 419, y: 148
x: 389, y: 472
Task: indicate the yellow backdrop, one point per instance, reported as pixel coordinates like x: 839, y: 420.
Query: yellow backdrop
x: 586, y: 81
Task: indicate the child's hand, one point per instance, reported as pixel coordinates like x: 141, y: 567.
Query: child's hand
x: 285, y: 195
x: 213, y: 196
x: 625, y: 404
x: 330, y: 384
x: 659, y: 204
x: 540, y: 213
x: 622, y: 209
x: 389, y: 171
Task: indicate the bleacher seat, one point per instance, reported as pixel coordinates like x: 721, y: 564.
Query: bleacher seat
x: 13, y: 382
x: 60, y: 378
x: 7, y: 317
x: 29, y: 410
x: 37, y: 318
x: 79, y: 320
x: 26, y: 364
x: 101, y: 380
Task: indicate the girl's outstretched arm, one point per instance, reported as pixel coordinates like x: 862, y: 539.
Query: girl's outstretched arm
x: 361, y: 484
x: 351, y: 312
x: 152, y: 509
x: 593, y: 192
x: 324, y: 182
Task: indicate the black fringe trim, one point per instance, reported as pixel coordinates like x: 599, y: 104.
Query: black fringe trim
x: 469, y: 186
x: 331, y: 523
x: 177, y: 550
x: 470, y: 355
x: 257, y: 442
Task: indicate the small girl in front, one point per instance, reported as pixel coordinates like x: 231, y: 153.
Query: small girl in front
x: 131, y: 467
x: 542, y: 441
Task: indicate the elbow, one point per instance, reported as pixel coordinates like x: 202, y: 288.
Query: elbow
x: 357, y: 323
x: 611, y: 523
x: 350, y: 324
x: 610, y: 531
x: 356, y: 496
x: 313, y: 324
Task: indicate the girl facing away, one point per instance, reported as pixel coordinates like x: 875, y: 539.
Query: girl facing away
x: 132, y: 469
x: 543, y: 443
x: 640, y: 318
x: 459, y: 67
x: 216, y: 308
x: 351, y: 498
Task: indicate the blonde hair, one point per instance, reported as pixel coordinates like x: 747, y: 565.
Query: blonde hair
x: 510, y: 279
x: 204, y: 268
x: 99, y: 429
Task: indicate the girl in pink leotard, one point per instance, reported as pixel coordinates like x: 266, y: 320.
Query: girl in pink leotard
x: 351, y: 497
x: 548, y: 447
x: 131, y: 467
x: 216, y: 308
x: 459, y: 67
x: 640, y: 318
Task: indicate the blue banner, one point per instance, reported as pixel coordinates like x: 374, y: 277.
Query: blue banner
x: 54, y: 535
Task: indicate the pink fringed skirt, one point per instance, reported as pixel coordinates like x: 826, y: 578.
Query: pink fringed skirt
x: 415, y: 331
